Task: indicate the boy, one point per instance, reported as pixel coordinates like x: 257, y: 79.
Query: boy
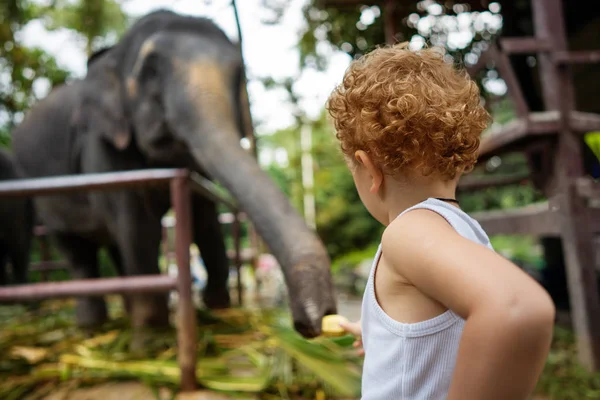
x: 443, y: 315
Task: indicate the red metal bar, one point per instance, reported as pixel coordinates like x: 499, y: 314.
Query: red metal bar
x: 100, y: 181
x: 186, y: 332
x: 89, y: 287
x: 206, y: 188
x: 237, y: 257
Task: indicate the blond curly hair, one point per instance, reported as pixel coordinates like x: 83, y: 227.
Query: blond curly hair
x: 411, y: 111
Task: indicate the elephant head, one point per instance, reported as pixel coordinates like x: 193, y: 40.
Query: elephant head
x: 173, y: 87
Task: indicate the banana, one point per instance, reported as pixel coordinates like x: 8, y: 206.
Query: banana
x: 330, y: 325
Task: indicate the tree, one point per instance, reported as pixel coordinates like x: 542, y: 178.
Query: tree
x: 99, y: 22
x: 27, y: 73
x: 22, y: 69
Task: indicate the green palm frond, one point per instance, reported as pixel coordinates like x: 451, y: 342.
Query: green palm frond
x: 239, y: 351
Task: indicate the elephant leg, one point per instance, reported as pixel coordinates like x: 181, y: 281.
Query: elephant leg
x: 208, y: 236
x: 82, y: 255
x: 138, y: 233
x: 115, y: 256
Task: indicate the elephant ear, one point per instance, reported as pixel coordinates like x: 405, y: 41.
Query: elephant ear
x: 144, y: 87
x: 102, y: 110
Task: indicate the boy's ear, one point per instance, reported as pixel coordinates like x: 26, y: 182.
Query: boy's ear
x: 376, y: 173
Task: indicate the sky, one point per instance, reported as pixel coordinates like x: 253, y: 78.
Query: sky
x: 269, y: 51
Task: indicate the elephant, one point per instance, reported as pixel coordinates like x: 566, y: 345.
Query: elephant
x: 170, y: 94
x: 16, y: 227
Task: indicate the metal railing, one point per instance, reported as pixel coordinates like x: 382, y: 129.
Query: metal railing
x: 181, y: 182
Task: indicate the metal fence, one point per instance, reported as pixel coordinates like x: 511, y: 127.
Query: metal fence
x: 181, y: 182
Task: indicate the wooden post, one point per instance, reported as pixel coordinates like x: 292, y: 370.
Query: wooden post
x: 389, y: 21
x: 44, y: 255
x: 576, y: 231
x: 512, y: 83
x: 308, y: 174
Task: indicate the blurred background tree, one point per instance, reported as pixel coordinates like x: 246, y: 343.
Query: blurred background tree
x: 22, y: 69
x: 99, y: 22
x: 28, y: 73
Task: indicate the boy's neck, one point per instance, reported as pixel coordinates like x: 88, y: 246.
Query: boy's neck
x: 401, y: 195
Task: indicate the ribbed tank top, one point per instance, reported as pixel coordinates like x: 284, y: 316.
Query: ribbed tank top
x: 413, y: 361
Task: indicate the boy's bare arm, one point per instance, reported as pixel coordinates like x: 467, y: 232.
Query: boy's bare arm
x: 509, y: 316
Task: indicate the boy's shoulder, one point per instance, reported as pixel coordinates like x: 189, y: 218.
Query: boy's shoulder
x: 424, y: 230
x: 415, y: 229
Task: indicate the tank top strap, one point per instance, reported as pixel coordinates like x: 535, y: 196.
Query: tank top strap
x: 461, y: 222
x: 437, y: 206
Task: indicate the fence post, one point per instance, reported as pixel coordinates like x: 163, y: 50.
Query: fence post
x: 44, y: 255
x: 237, y: 232
x: 186, y: 329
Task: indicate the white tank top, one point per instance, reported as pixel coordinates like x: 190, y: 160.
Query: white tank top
x: 413, y: 361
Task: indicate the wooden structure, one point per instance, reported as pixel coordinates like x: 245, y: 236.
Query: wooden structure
x: 550, y: 134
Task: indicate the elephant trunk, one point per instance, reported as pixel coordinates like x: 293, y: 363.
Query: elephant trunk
x: 207, y: 118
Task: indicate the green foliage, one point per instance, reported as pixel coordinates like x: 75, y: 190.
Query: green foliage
x: 238, y: 352
x: 343, y: 223
x: 353, y: 258
x: 96, y: 21
x: 356, y: 30
x: 519, y: 248
x: 501, y: 197
x: 563, y: 377
x: 20, y: 67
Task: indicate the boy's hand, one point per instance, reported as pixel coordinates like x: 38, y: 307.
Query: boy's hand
x: 354, y: 329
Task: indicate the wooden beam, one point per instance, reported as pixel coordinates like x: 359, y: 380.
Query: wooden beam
x: 535, y: 219
x: 539, y: 219
x: 507, y: 73
x: 544, y: 122
x: 469, y: 182
x: 524, y: 45
x: 584, y: 121
x: 389, y: 21
x: 520, y: 133
x: 499, y: 138
x: 576, y: 57
x: 573, y: 216
x: 588, y: 188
